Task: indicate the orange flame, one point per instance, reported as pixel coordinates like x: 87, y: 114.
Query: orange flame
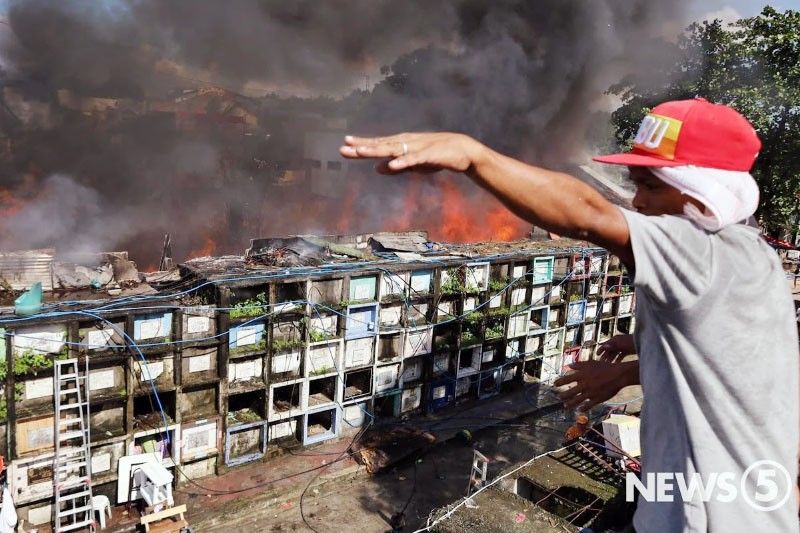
x: 451, y: 216
x: 208, y: 248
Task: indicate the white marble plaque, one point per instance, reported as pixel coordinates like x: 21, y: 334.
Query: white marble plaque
x: 150, y: 329
x: 151, y: 371
x: 247, y: 336
x: 200, y: 363
x: 101, y: 379
x: 363, y: 291
x: 38, y: 388
x: 198, y: 324
x: 40, y: 341
x: 99, y: 338
x: 40, y: 437
x: 101, y: 462
x: 245, y: 370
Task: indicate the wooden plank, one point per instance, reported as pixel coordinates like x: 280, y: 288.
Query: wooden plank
x: 166, y: 513
x: 167, y: 526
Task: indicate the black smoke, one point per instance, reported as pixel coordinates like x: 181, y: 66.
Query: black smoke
x: 525, y: 77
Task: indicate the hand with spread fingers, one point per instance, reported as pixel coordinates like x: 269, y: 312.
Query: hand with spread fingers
x: 595, y: 382
x: 615, y: 348
x: 426, y: 152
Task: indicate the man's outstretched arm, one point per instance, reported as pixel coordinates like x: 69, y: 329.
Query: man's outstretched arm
x: 596, y: 382
x: 552, y: 200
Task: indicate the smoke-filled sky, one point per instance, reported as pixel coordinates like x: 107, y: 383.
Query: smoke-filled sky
x: 523, y: 76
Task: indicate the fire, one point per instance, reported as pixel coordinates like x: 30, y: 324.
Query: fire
x: 208, y: 248
x: 9, y: 204
x: 452, y: 216
x: 345, y: 222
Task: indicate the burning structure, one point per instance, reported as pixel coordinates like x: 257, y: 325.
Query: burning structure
x: 292, y: 344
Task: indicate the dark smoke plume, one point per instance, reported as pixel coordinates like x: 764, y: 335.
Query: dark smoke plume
x: 522, y: 76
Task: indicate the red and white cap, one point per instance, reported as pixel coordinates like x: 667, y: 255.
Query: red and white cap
x: 692, y: 132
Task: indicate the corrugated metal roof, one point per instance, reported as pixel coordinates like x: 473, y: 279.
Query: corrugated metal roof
x: 20, y: 270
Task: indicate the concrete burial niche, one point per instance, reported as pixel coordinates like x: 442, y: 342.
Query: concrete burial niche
x: 247, y: 338
x: 245, y: 443
x: 97, y: 337
x: 421, y: 282
x: 518, y: 324
x: 199, y: 439
x: 576, y: 312
x: 158, y: 372
x: 323, y: 358
x: 413, y: 369
x: 286, y: 433
x: 322, y: 391
x: 391, y: 316
x: 323, y: 327
x: 107, y: 420
x: 387, y: 377
x: 362, y: 321
x: 199, y: 401
x: 326, y: 293
x: 285, y: 399
x: 152, y: 328
x: 418, y: 341
x: 246, y: 373
x: 357, y: 384
x: 417, y: 313
x: 198, y: 323
x: 394, y: 286
x: 359, y: 352
x: 363, y: 289
x: 321, y: 424
x: 390, y: 347
x: 199, y: 365
x: 290, y: 296
x: 534, y: 346
x: 543, y: 269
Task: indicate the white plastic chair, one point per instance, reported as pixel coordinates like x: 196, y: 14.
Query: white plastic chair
x: 101, y: 505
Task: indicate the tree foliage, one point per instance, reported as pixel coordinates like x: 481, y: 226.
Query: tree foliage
x: 753, y: 65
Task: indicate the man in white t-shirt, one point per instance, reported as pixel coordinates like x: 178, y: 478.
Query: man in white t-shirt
x: 715, y: 329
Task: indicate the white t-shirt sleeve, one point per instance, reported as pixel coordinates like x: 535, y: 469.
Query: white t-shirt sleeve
x: 673, y: 258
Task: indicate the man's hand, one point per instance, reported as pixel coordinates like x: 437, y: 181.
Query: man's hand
x: 615, y: 348
x: 596, y: 382
x: 427, y: 152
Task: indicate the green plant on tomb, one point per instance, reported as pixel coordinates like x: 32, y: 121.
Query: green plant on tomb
x: 257, y: 347
x: 344, y: 304
x: 626, y: 289
x: 320, y: 371
x: 250, y: 307
x: 575, y: 297
x: 469, y: 339
x: 473, y: 317
x: 32, y: 361
x: 281, y: 345
x: 498, y: 312
x: 495, y: 331
x: 453, y: 285
x: 496, y: 285
x: 319, y: 335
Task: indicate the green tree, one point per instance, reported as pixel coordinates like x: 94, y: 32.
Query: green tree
x: 753, y: 65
